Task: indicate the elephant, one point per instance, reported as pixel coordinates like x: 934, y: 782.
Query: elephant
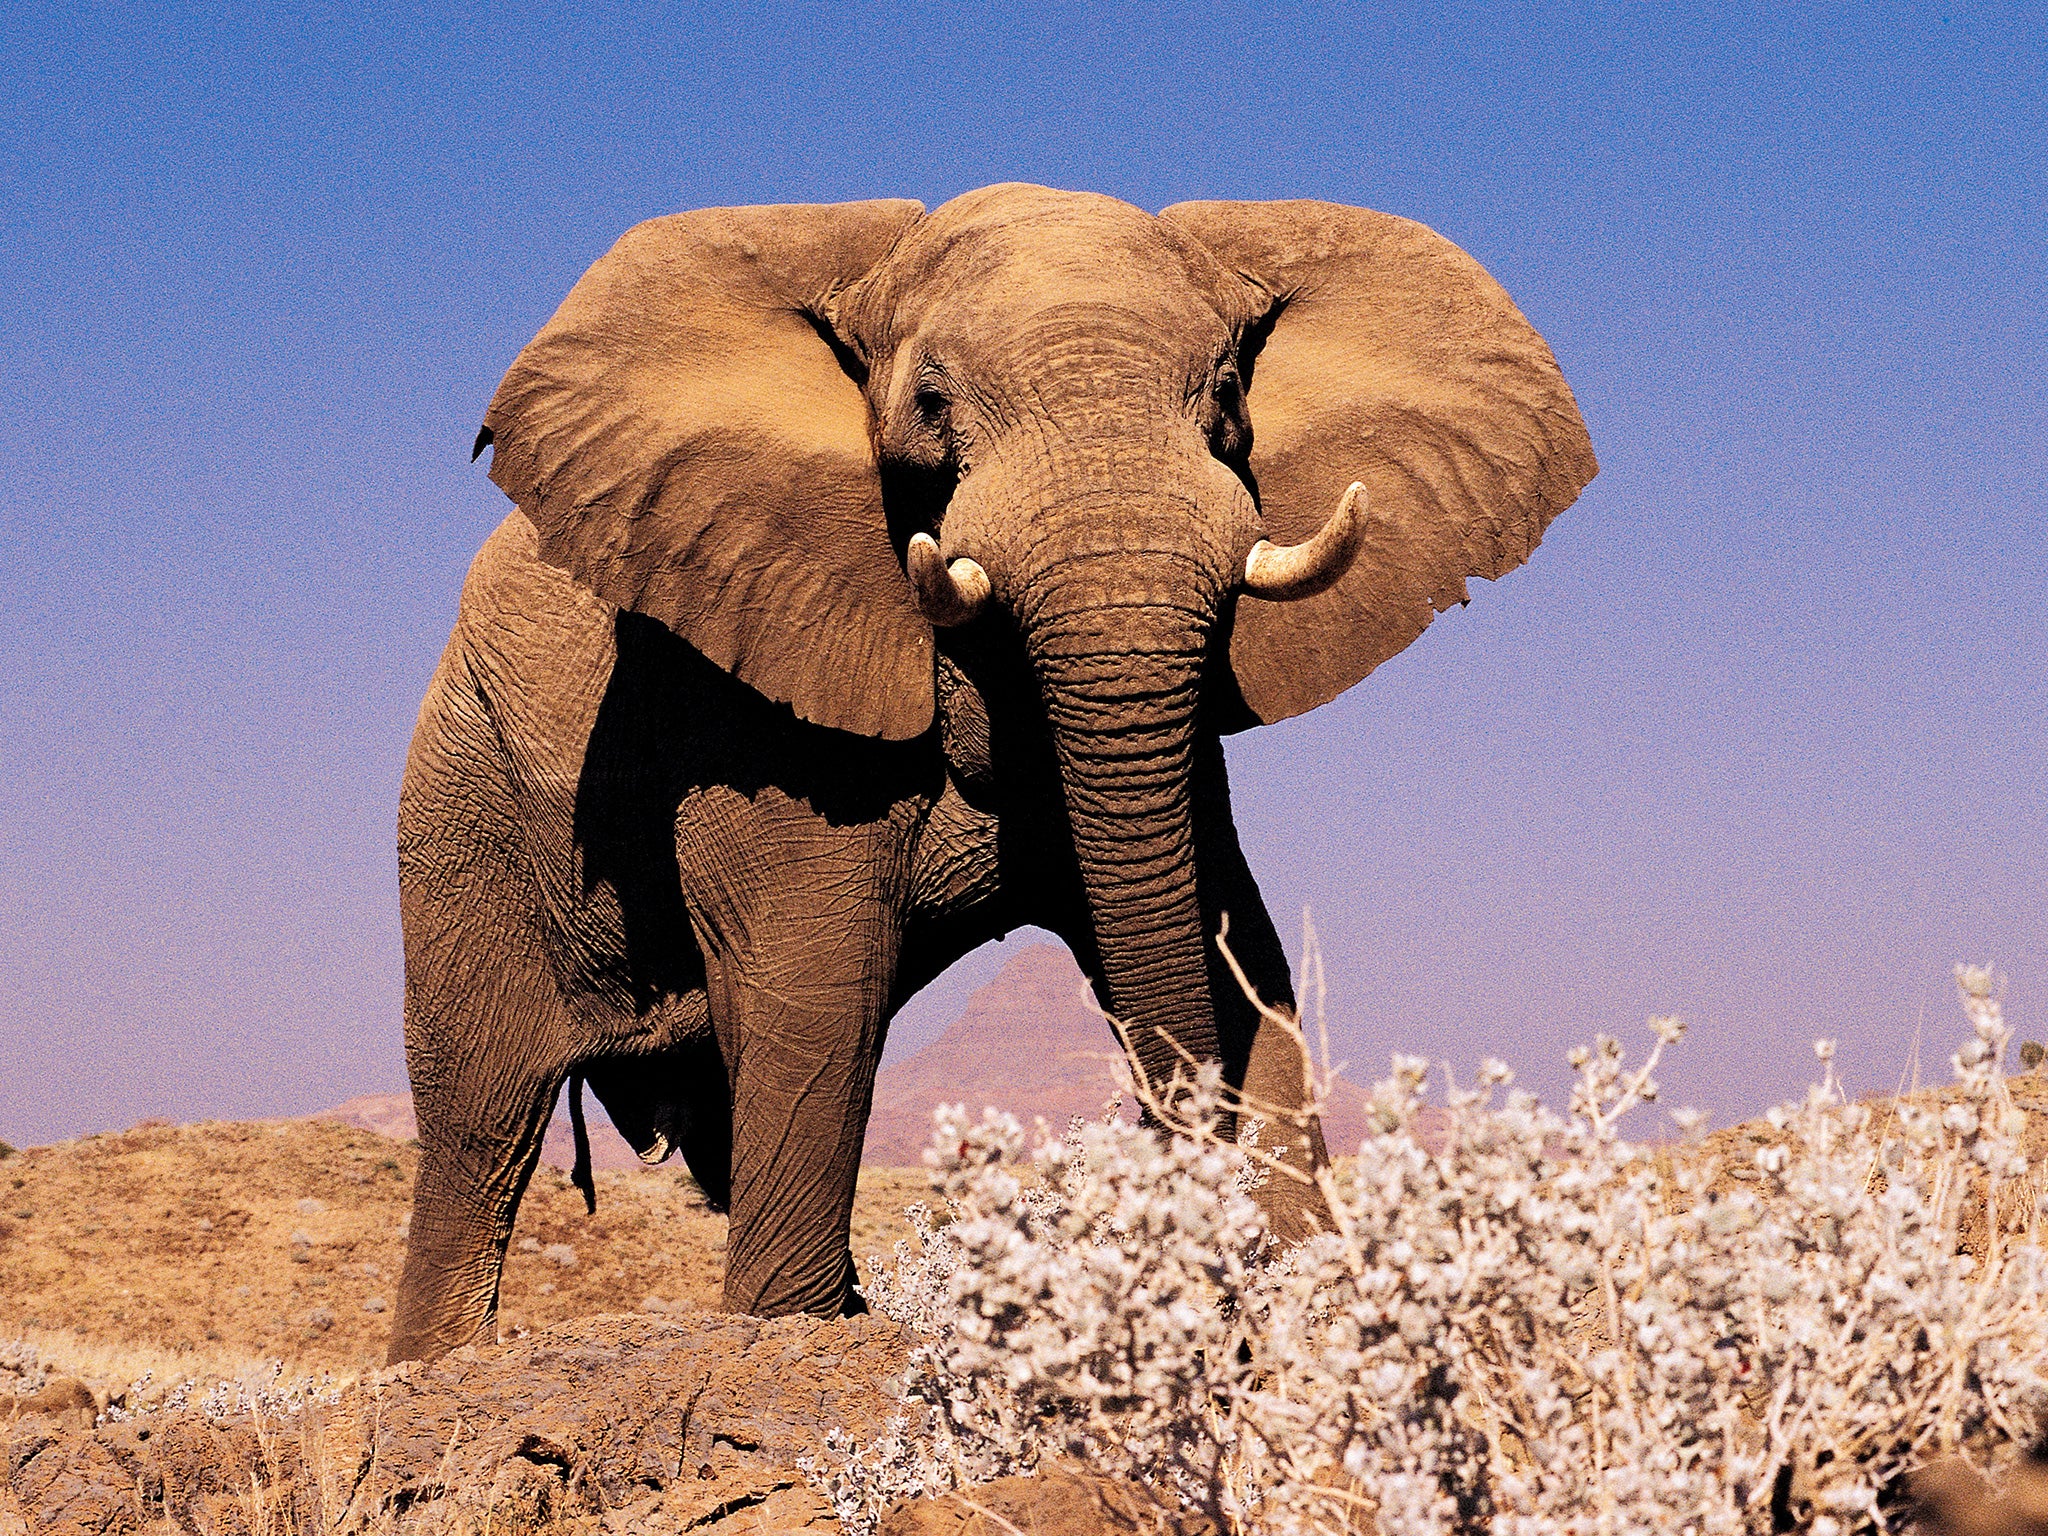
x: 880, y: 580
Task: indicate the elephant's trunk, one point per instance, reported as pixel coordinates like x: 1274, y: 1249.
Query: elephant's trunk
x: 1121, y: 682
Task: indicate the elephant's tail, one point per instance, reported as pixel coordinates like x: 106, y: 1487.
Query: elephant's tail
x: 580, y: 1175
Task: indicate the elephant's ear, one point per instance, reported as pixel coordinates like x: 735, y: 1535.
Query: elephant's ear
x: 1390, y: 357
x: 686, y: 441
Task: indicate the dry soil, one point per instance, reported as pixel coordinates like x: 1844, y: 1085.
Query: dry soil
x: 211, y: 1250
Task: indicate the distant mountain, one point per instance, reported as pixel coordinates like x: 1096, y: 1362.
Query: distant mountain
x: 1030, y: 1042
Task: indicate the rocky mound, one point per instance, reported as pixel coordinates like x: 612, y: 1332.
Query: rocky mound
x: 618, y: 1424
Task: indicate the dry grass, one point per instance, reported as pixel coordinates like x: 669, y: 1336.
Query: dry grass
x: 172, y: 1249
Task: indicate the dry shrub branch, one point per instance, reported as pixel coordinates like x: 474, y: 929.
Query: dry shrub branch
x: 1524, y: 1324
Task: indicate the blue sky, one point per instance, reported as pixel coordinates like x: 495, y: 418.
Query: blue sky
x: 1755, y: 738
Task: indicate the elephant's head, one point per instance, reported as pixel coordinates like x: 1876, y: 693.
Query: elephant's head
x: 809, y: 438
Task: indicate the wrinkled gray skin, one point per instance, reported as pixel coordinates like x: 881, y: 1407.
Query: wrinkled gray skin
x: 624, y: 860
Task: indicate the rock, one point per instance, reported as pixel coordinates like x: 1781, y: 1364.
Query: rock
x: 62, y: 1397
x: 607, y: 1424
x: 1062, y: 1500
x: 1951, y: 1498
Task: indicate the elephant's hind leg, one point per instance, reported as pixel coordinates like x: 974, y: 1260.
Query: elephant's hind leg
x: 488, y: 1039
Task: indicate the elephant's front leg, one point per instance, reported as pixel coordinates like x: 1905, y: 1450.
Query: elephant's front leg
x: 800, y: 923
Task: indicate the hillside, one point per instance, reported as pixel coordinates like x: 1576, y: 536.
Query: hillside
x: 205, y: 1249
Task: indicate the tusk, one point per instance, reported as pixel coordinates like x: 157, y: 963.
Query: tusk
x: 948, y: 594
x: 1283, y: 572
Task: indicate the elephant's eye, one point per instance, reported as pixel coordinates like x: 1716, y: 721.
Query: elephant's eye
x: 1229, y: 434
x: 930, y: 405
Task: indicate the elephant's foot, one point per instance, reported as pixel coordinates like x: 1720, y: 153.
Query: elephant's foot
x: 432, y: 1318
x: 794, y: 1284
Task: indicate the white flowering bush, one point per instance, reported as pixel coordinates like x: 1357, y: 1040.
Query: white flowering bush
x: 272, y: 1397
x: 22, y: 1369
x: 1522, y: 1323
x: 1139, y: 1244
